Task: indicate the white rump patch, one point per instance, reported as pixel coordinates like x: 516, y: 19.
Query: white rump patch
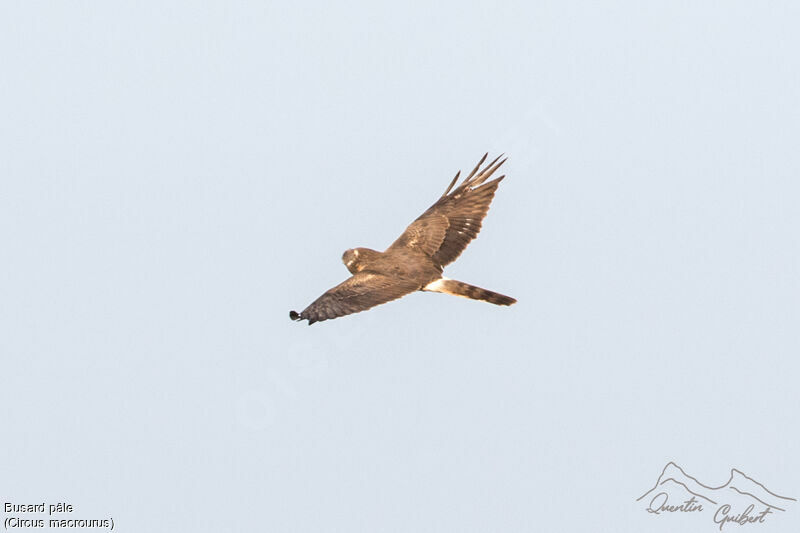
x: 436, y: 286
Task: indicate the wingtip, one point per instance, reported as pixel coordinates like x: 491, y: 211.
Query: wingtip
x: 494, y: 164
x: 477, y: 167
x: 483, y: 159
x: 294, y: 315
x: 450, y: 187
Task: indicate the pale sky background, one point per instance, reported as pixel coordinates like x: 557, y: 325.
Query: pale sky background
x: 176, y: 177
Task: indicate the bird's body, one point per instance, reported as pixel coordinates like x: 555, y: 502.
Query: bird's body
x: 400, y: 262
x: 415, y: 261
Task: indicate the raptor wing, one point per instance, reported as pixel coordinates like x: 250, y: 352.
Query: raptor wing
x: 448, y: 226
x: 362, y: 291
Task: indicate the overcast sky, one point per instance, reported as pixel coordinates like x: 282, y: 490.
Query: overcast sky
x: 177, y: 177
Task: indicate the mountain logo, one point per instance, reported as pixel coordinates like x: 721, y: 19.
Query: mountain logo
x: 741, y: 500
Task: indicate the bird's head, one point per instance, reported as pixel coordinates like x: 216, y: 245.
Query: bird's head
x: 356, y: 259
x: 350, y: 260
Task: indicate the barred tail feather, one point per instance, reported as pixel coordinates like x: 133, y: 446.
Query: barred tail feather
x: 459, y: 288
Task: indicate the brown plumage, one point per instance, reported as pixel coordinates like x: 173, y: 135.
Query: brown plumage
x: 416, y: 259
x: 459, y: 288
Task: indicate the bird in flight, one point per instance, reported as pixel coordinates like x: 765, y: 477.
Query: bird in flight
x: 414, y: 262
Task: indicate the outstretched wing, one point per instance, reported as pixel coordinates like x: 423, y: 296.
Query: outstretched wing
x: 448, y: 226
x: 358, y: 293
x: 427, y: 233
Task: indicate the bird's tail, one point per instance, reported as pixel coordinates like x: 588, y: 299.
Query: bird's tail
x: 459, y: 288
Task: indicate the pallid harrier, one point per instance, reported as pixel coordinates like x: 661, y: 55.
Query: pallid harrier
x: 414, y: 262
